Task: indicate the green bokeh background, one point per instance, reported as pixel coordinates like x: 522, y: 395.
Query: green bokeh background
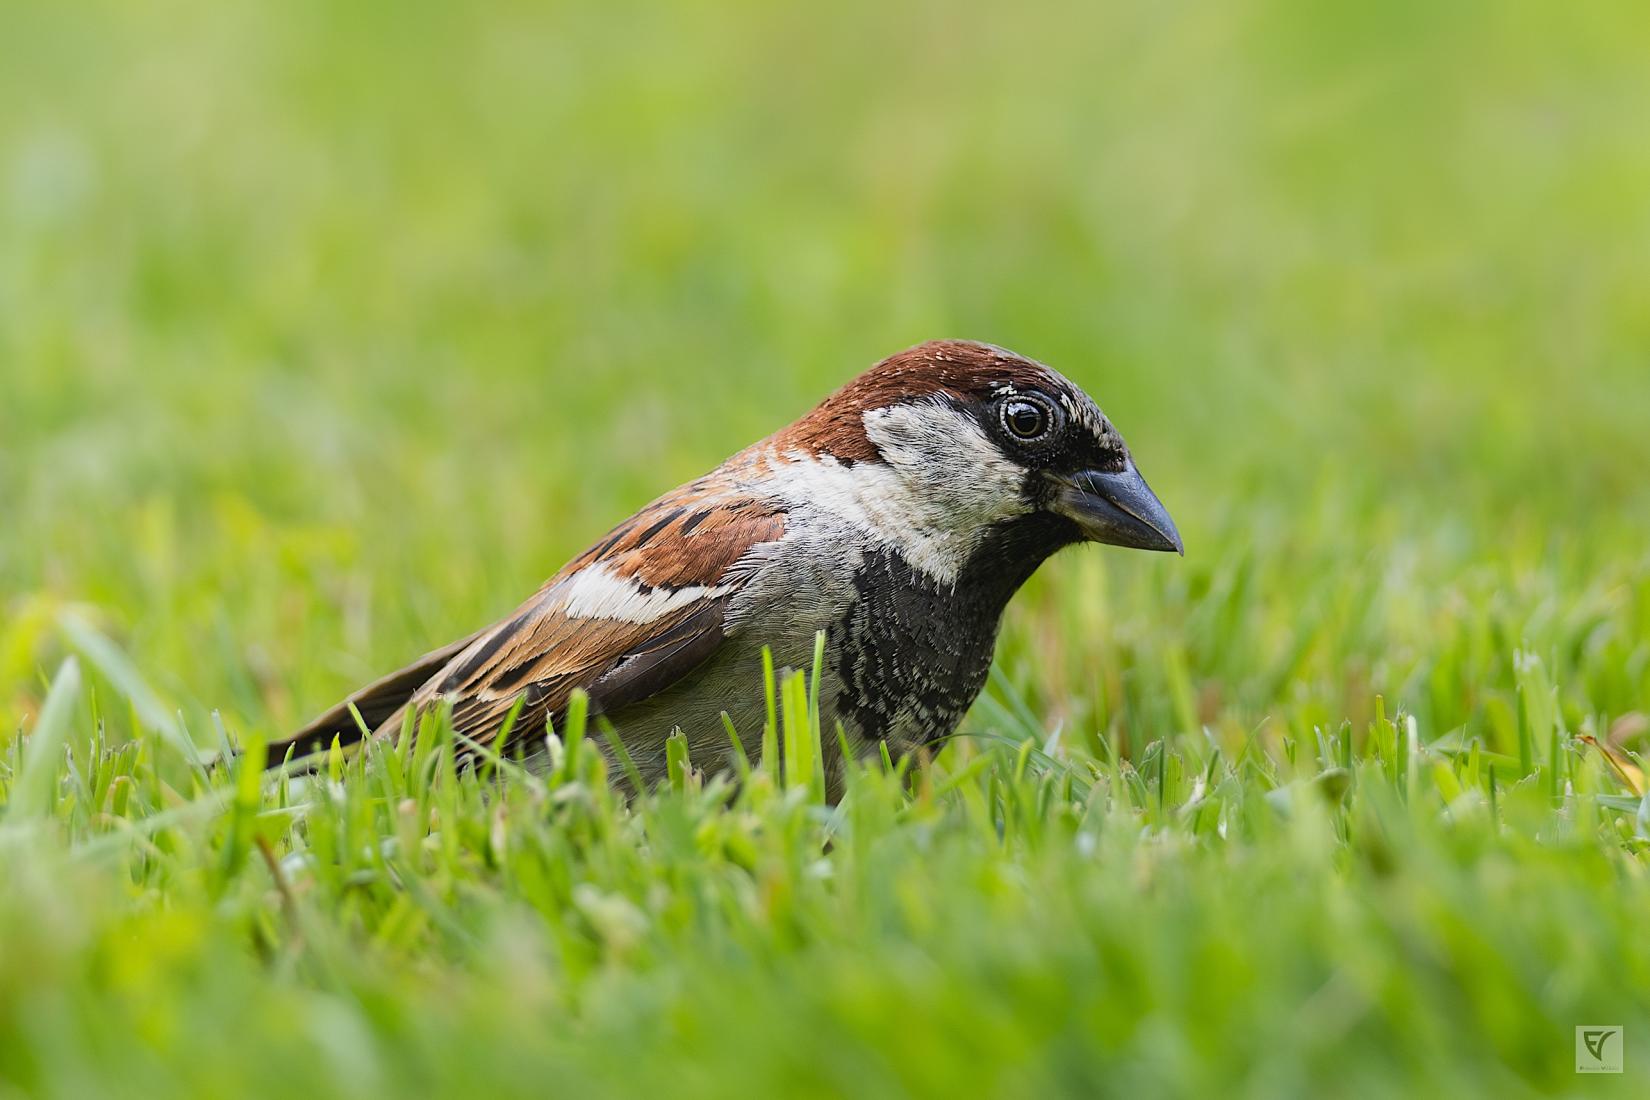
x: 328, y: 330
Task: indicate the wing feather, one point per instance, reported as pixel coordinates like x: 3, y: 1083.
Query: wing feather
x: 644, y: 607
x: 376, y: 703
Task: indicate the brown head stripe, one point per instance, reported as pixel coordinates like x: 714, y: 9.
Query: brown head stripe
x: 957, y: 368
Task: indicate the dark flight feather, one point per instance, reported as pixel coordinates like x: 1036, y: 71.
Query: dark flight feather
x: 376, y: 702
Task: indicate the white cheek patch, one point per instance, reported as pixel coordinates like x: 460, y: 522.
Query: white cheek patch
x: 963, y: 474
x: 596, y: 593
x: 941, y: 485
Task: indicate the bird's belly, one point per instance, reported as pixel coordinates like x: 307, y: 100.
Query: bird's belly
x: 904, y: 662
x: 728, y: 690
x: 906, y: 713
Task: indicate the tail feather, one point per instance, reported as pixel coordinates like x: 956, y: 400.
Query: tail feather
x: 376, y: 702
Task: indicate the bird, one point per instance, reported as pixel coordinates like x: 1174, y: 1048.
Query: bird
x: 898, y: 517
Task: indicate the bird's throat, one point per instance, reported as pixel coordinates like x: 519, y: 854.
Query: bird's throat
x: 912, y: 654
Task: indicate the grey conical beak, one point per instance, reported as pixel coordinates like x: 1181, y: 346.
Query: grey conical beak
x: 1118, y: 509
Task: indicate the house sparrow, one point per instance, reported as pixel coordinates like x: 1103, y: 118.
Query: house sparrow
x: 899, y: 517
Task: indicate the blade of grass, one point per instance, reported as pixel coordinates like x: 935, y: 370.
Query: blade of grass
x: 32, y: 794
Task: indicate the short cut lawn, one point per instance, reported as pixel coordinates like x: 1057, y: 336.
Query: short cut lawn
x: 327, y: 332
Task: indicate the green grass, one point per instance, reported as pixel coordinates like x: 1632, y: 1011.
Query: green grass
x: 327, y: 332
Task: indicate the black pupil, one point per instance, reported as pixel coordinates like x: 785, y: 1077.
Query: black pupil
x: 1025, y: 419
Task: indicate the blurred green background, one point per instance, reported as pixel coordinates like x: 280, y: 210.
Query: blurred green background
x: 328, y: 330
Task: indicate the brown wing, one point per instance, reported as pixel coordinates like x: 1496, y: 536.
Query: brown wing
x: 623, y: 621
x: 551, y: 654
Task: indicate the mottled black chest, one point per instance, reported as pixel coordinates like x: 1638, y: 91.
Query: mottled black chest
x: 912, y: 654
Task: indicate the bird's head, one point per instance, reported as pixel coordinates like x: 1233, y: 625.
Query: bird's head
x: 952, y: 442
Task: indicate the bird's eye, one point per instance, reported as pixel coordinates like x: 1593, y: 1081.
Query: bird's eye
x: 1025, y: 420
